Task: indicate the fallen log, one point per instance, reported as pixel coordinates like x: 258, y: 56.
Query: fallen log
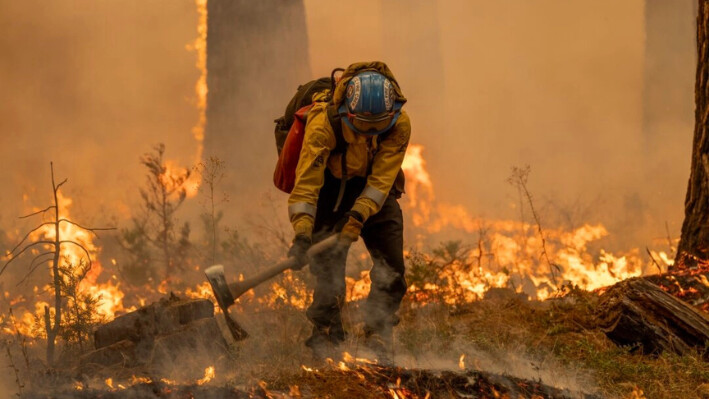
x: 159, y: 335
x: 159, y: 318
x: 689, y: 285
x: 640, y: 314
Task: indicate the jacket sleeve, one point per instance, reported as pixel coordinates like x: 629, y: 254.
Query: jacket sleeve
x: 385, y: 167
x: 319, y: 140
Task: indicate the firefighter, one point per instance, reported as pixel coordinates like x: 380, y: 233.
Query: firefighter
x: 376, y: 130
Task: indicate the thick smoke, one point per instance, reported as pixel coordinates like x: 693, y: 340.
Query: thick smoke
x: 92, y: 86
x: 595, y: 96
x: 559, y: 85
x: 556, y: 85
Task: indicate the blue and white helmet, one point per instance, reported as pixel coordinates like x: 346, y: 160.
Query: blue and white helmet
x: 370, y: 105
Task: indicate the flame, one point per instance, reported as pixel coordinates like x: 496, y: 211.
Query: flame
x: 70, y: 253
x: 418, y: 184
x: 288, y: 290
x: 461, y: 362
x: 348, y: 358
x: 510, y: 251
x: 508, y: 255
x: 208, y: 376
x: 111, y: 299
x: 358, y: 289
x: 175, y: 177
x: 73, y: 256
x: 199, y: 46
x: 140, y: 380
x: 636, y: 394
x: 201, y: 291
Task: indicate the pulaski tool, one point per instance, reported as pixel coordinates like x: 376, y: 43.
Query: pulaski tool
x: 226, y: 294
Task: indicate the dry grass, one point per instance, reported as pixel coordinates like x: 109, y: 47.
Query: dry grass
x: 552, y: 341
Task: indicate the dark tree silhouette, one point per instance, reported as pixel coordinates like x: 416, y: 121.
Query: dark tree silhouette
x: 694, y: 242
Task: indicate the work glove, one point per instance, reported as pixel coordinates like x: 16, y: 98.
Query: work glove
x: 349, y: 227
x: 299, y: 250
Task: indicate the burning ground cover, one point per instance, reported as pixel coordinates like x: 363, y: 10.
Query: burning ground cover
x: 482, y: 315
x: 488, y: 348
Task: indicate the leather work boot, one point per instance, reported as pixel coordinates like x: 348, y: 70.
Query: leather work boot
x: 382, y: 344
x: 323, y: 346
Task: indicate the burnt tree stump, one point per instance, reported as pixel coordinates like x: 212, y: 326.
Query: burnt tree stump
x: 159, y: 334
x: 638, y: 313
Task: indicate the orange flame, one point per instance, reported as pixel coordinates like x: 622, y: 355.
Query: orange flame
x: 199, y: 46
x: 110, y: 296
x: 510, y: 248
x: 418, y: 184
x: 208, y: 376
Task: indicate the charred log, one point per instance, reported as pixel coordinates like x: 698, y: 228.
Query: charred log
x: 162, y: 317
x: 158, y: 335
x: 640, y: 314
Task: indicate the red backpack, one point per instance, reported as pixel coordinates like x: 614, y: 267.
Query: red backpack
x: 290, y: 130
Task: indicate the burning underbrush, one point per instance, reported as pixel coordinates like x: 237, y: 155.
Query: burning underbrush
x: 507, y: 310
x: 500, y: 346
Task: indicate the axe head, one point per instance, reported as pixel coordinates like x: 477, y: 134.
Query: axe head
x: 215, y: 276
x: 220, y: 288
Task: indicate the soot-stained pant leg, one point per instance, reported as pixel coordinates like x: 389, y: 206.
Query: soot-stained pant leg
x: 328, y: 296
x: 329, y: 268
x: 383, y: 235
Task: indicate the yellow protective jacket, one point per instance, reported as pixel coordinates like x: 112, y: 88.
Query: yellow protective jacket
x: 385, y: 157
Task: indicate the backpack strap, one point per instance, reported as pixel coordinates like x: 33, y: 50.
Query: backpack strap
x: 335, y: 120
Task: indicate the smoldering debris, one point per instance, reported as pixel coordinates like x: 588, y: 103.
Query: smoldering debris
x: 344, y: 380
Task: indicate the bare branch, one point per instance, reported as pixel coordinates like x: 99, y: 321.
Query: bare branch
x: 659, y: 268
x: 28, y: 246
x: 669, y: 239
x: 38, y: 212
x: 519, y: 178
x: 60, y: 184
x: 34, y: 266
x: 86, y: 251
x: 91, y: 229
x: 28, y: 234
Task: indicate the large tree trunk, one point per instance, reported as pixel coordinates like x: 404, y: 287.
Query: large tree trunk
x: 257, y: 55
x: 694, y: 242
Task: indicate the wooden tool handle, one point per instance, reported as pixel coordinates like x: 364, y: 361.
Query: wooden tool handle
x: 239, y: 288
